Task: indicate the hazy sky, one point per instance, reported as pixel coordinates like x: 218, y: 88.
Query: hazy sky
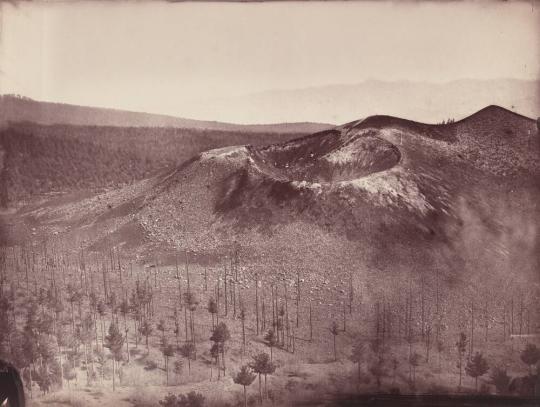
x: 156, y: 57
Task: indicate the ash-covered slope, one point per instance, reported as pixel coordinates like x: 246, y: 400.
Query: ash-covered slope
x: 391, y: 191
x: 383, y: 195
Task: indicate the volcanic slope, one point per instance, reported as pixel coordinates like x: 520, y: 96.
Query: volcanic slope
x: 381, y: 197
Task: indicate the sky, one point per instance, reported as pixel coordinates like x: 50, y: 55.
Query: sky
x: 160, y: 57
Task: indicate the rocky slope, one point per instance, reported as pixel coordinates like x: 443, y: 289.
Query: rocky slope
x: 381, y: 197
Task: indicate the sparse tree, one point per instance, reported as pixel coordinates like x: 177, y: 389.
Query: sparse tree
x: 440, y: 349
x: 124, y: 310
x: 427, y: 340
x: 161, y: 327
x: 242, y: 316
x: 114, y: 342
x: 68, y: 372
x: 500, y: 379
x: 244, y: 377
x: 212, y: 309
x: 395, y: 365
x: 461, y: 346
x: 262, y: 366
x: 220, y: 336
x: 477, y: 366
x: 334, y: 330
x: 146, y: 329
x: 168, y: 351
x: 530, y: 356
x: 378, y: 371
x: 178, y: 367
x: 271, y: 341
x: 102, y: 310
x: 358, y: 356
x: 187, y: 350
x: 414, y: 361
x: 215, y: 351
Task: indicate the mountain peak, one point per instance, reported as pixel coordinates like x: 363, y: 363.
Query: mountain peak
x: 496, y: 111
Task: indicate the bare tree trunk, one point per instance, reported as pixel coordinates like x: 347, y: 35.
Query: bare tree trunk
x: 297, y: 297
x: 233, y: 292
x: 504, y: 322
x: 113, y: 375
x: 512, y: 316
x: 257, y: 303
x: 486, y: 317
x: 225, y: 289
x: 186, y: 322
x: 471, y: 348
x: 310, y: 323
x: 263, y: 314
x: 179, y: 282
x: 244, y: 335
x: 351, y: 292
x: 127, y: 343
x: 344, y: 319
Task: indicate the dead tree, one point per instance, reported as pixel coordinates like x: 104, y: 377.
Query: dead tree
x: 225, y: 290
x: 179, y: 282
x: 257, y: 302
x: 310, y: 323
x: 471, y: 347
x: 351, y: 292
x: 297, y: 297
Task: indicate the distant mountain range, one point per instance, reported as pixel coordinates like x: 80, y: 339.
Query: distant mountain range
x: 15, y: 108
x: 425, y: 102
x: 306, y: 110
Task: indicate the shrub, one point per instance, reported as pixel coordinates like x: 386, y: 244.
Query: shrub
x: 150, y: 365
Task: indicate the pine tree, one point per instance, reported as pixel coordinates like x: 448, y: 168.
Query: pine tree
x: 461, y: 346
x: 114, y: 342
x: 500, y: 379
x: 427, y: 339
x: 215, y: 351
x: 414, y: 361
x: 191, y: 303
x: 377, y: 369
x: 477, y: 366
x: 178, y: 367
x: 187, y: 350
x: 168, y: 351
x: 242, y: 316
x: 212, y: 309
x: 68, y: 372
x: 530, y: 356
x: 267, y: 368
x: 29, y: 344
x: 102, y: 310
x: 85, y: 337
x: 162, y: 328
x: 335, y: 332
x: 262, y: 365
x: 220, y: 336
x: 271, y: 341
x: 244, y: 377
x: 358, y: 356
x: 395, y: 365
x: 146, y: 329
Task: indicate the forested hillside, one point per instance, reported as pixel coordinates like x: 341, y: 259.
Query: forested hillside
x: 38, y: 158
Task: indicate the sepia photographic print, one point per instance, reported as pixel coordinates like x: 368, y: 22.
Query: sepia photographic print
x: 232, y: 204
